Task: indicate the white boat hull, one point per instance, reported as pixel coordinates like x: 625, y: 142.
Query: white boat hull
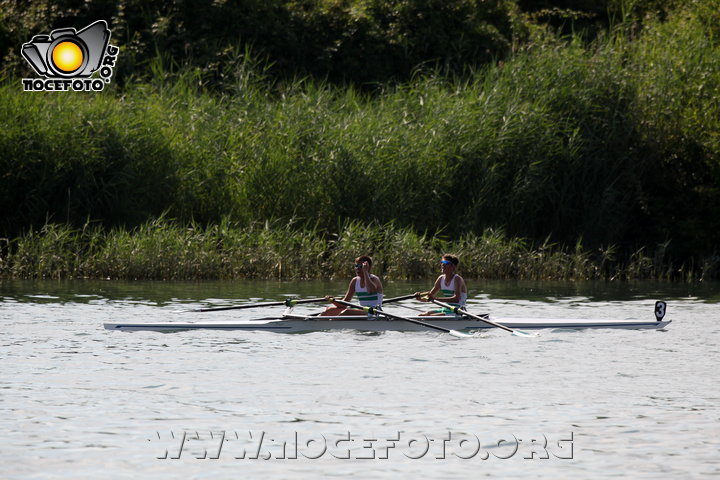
x: 298, y: 324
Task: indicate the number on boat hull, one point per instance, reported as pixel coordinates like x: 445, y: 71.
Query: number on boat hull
x: 660, y: 310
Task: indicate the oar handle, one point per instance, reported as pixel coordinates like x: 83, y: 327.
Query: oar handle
x: 460, y: 311
x: 291, y: 303
x: 370, y: 310
x: 399, y: 299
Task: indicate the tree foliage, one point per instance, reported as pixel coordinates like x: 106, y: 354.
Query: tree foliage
x: 343, y: 40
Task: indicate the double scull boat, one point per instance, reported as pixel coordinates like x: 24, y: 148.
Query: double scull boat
x: 293, y: 323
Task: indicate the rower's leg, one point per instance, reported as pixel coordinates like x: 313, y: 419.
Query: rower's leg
x: 352, y: 311
x: 333, y: 312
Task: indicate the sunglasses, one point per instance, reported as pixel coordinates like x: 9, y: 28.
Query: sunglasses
x: 445, y: 262
x: 358, y: 266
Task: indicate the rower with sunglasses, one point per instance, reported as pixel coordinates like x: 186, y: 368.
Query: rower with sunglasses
x: 451, y: 286
x: 365, y: 285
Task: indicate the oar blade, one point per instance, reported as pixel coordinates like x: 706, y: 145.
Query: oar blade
x: 458, y: 334
x: 521, y: 333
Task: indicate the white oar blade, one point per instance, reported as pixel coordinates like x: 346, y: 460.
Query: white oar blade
x: 520, y: 333
x: 457, y: 334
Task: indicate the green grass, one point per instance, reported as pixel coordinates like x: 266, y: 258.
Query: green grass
x: 163, y: 249
x: 616, y: 143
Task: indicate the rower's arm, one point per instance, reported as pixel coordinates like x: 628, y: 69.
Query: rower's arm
x: 425, y: 296
x: 435, y: 289
x: 454, y: 299
x: 376, y: 285
x: 369, y: 283
x: 350, y: 291
x: 372, y: 284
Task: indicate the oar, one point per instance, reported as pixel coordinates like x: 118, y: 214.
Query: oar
x: 288, y: 303
x: 389, y: 300
x: 374, y: 311
x: 399, y: 299
x: 484, y: 318
x: 421, y: 310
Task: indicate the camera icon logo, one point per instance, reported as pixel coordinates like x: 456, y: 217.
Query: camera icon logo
x: 67, y: 52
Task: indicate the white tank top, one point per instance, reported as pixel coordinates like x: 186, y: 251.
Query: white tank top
x: 448, y: 290
x: 367, y: 299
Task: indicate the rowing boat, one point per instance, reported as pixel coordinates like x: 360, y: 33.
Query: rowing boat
x: 299, y: 323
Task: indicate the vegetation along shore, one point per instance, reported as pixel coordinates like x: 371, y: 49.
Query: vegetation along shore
x: 573, y: 144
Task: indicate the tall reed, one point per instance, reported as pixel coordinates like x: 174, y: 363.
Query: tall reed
x: 166, y: 250
x: 615, y: 143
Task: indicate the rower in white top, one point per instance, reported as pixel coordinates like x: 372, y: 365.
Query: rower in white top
x: 450, y: 285
x: 365, y: 285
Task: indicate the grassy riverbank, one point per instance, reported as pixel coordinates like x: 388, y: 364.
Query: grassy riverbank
x: 612, y: 143
x: 164, y: 250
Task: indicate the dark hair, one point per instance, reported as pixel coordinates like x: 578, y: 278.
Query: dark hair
x: 451, y: 258
x: 364, y: 258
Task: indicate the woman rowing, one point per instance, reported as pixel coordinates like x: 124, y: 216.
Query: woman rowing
x: 365, y: 285
x: 449, y: 284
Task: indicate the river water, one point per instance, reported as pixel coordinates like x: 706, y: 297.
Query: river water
x: 79, y: 401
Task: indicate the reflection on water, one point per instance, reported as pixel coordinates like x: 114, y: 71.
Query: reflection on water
x: 78, y: 401
x: 164, y: 293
